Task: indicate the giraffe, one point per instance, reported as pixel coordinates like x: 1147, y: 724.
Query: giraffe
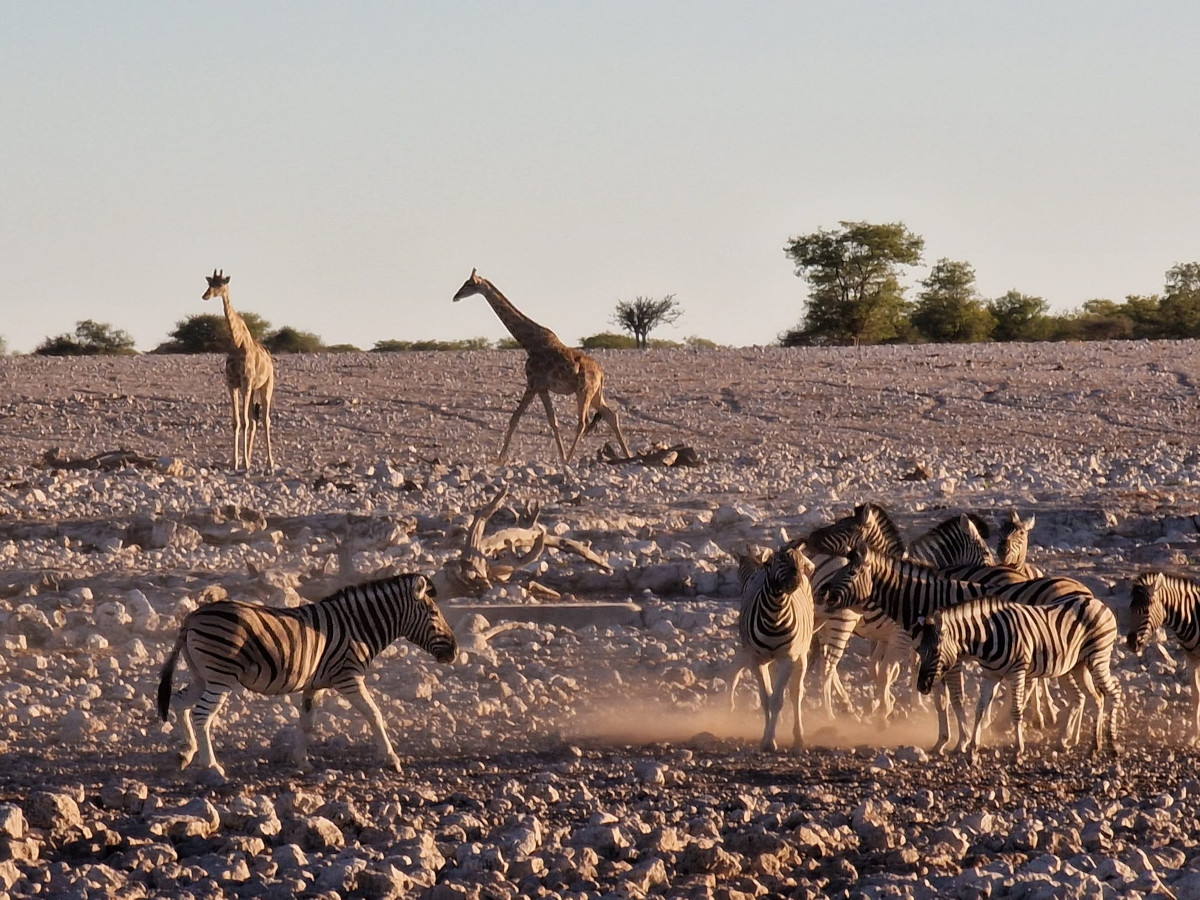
x: 249, y: 375
x: 550, y: 365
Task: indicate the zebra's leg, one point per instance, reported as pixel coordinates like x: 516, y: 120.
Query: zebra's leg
x: 1075, y: 697
x: 203, y: 715
x: 1109, y: 700
x: 300, y: 751
x: 1086, y: 688
x: 183, y: 701
x: 1195, y: 664
x: 1019, y: 685
x: 950, y: 696
x: 986, y: 693
x: 799, y: 670
x: 774, y: 701
x: 356, y: 692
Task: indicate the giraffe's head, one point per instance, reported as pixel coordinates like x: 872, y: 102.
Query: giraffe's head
x: 473, y: 285
x: 218, y: 285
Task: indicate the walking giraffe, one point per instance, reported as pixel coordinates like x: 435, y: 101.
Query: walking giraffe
x: 249, y: 375
x: 550, y: 365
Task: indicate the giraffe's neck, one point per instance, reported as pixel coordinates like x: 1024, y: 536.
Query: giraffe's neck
x: 237, y: 326
x: 528, y: 333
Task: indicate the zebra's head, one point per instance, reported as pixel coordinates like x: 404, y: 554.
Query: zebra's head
x: 851, y: 585
x: 779, y: 571
x: 429, y: 629
x: 933, y: 661
x: 1146, y: 610
x: 869, y: 524
x: 1014, y: 538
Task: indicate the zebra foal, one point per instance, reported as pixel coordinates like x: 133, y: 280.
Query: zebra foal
x: 1017, y: 641
x: 1157, y: 600
x: 775, y: 625
x: 308, y: 648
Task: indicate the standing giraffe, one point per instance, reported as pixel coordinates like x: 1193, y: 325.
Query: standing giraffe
x: 550, y: 365
x: 249, y: 375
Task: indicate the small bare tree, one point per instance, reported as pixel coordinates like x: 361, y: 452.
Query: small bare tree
x: 644, y: 314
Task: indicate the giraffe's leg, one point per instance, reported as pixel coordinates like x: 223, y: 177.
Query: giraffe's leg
x: 356, y: 692
x: 585, y: 404
x: 267, y: 397
x: 546, y: 402
x: 251, y: 425
x: 610, y: 416
x: 235, y: 395
x: 526, y: 399
x: 248, y: 426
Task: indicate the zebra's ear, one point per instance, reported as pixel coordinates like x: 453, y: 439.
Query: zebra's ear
x: 1013, y: 517
x: 1030, y: 522
x: 1157, y: 582
x: 423, y: 587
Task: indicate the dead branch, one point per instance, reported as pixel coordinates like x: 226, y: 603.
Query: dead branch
x: 675, y: 455
x: 477, y: 569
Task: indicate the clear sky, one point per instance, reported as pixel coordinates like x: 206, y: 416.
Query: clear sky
x: 349, y: 163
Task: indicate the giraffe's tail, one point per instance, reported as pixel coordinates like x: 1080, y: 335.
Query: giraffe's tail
x: 596, y: 417
x: 256, y: 411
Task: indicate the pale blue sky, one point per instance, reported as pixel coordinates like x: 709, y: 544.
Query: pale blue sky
x: 348, y: 164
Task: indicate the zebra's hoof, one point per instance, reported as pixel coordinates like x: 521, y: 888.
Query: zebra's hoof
x: 768, y: 745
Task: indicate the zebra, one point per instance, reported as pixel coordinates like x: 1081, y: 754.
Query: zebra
x: 957, y: 540
x: 905, y: 592
x: 775, y: 624
x: 1157, y: 599
x: 960, y: 540
x: 1017, y: 641
x: 307, y: 648
x: 1014, y: 544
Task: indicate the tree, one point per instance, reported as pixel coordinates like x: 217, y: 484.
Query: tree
x: 1180, y: 305
x: 854, y: 292
x: 1020, y: 317
x: 642, y: 315
x: 90, y: 339
x: 290, y: 340
x: 209, y: 333
x: 948, y: 309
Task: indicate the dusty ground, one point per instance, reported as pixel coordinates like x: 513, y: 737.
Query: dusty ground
x: 573, y: 761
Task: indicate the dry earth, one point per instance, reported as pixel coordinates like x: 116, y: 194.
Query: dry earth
x: 565, y: 757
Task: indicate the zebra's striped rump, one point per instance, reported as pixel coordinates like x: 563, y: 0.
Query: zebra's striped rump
x: 1013, y: 639
x: 327, y: 644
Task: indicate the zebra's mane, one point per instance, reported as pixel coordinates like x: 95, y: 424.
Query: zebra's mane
x: 870, y: 522
x: 951, y: 526
x: 394, y: 583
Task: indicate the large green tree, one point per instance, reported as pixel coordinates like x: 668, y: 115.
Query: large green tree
x: 91, y: 338
x: 1179, y: 309
x: 948, y: 308
x: 854, y: 289
x: 209, y: 333
x: 1020, y: 317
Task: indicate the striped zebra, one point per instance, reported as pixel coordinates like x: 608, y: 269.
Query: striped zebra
x: 775, y: 625
x: 308, y: 648
x: 906, y: 592
x: 1014, y: 544
x: 1158, y: 600
x: 957, y: 540
x: 1015, y: 641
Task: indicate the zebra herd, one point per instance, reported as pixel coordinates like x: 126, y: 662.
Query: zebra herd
x: 945, y: 598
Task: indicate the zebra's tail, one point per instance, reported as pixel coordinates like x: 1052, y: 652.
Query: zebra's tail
x: 164, y: 681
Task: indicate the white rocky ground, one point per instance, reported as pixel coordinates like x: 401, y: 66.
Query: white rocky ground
x: 584, y: 760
